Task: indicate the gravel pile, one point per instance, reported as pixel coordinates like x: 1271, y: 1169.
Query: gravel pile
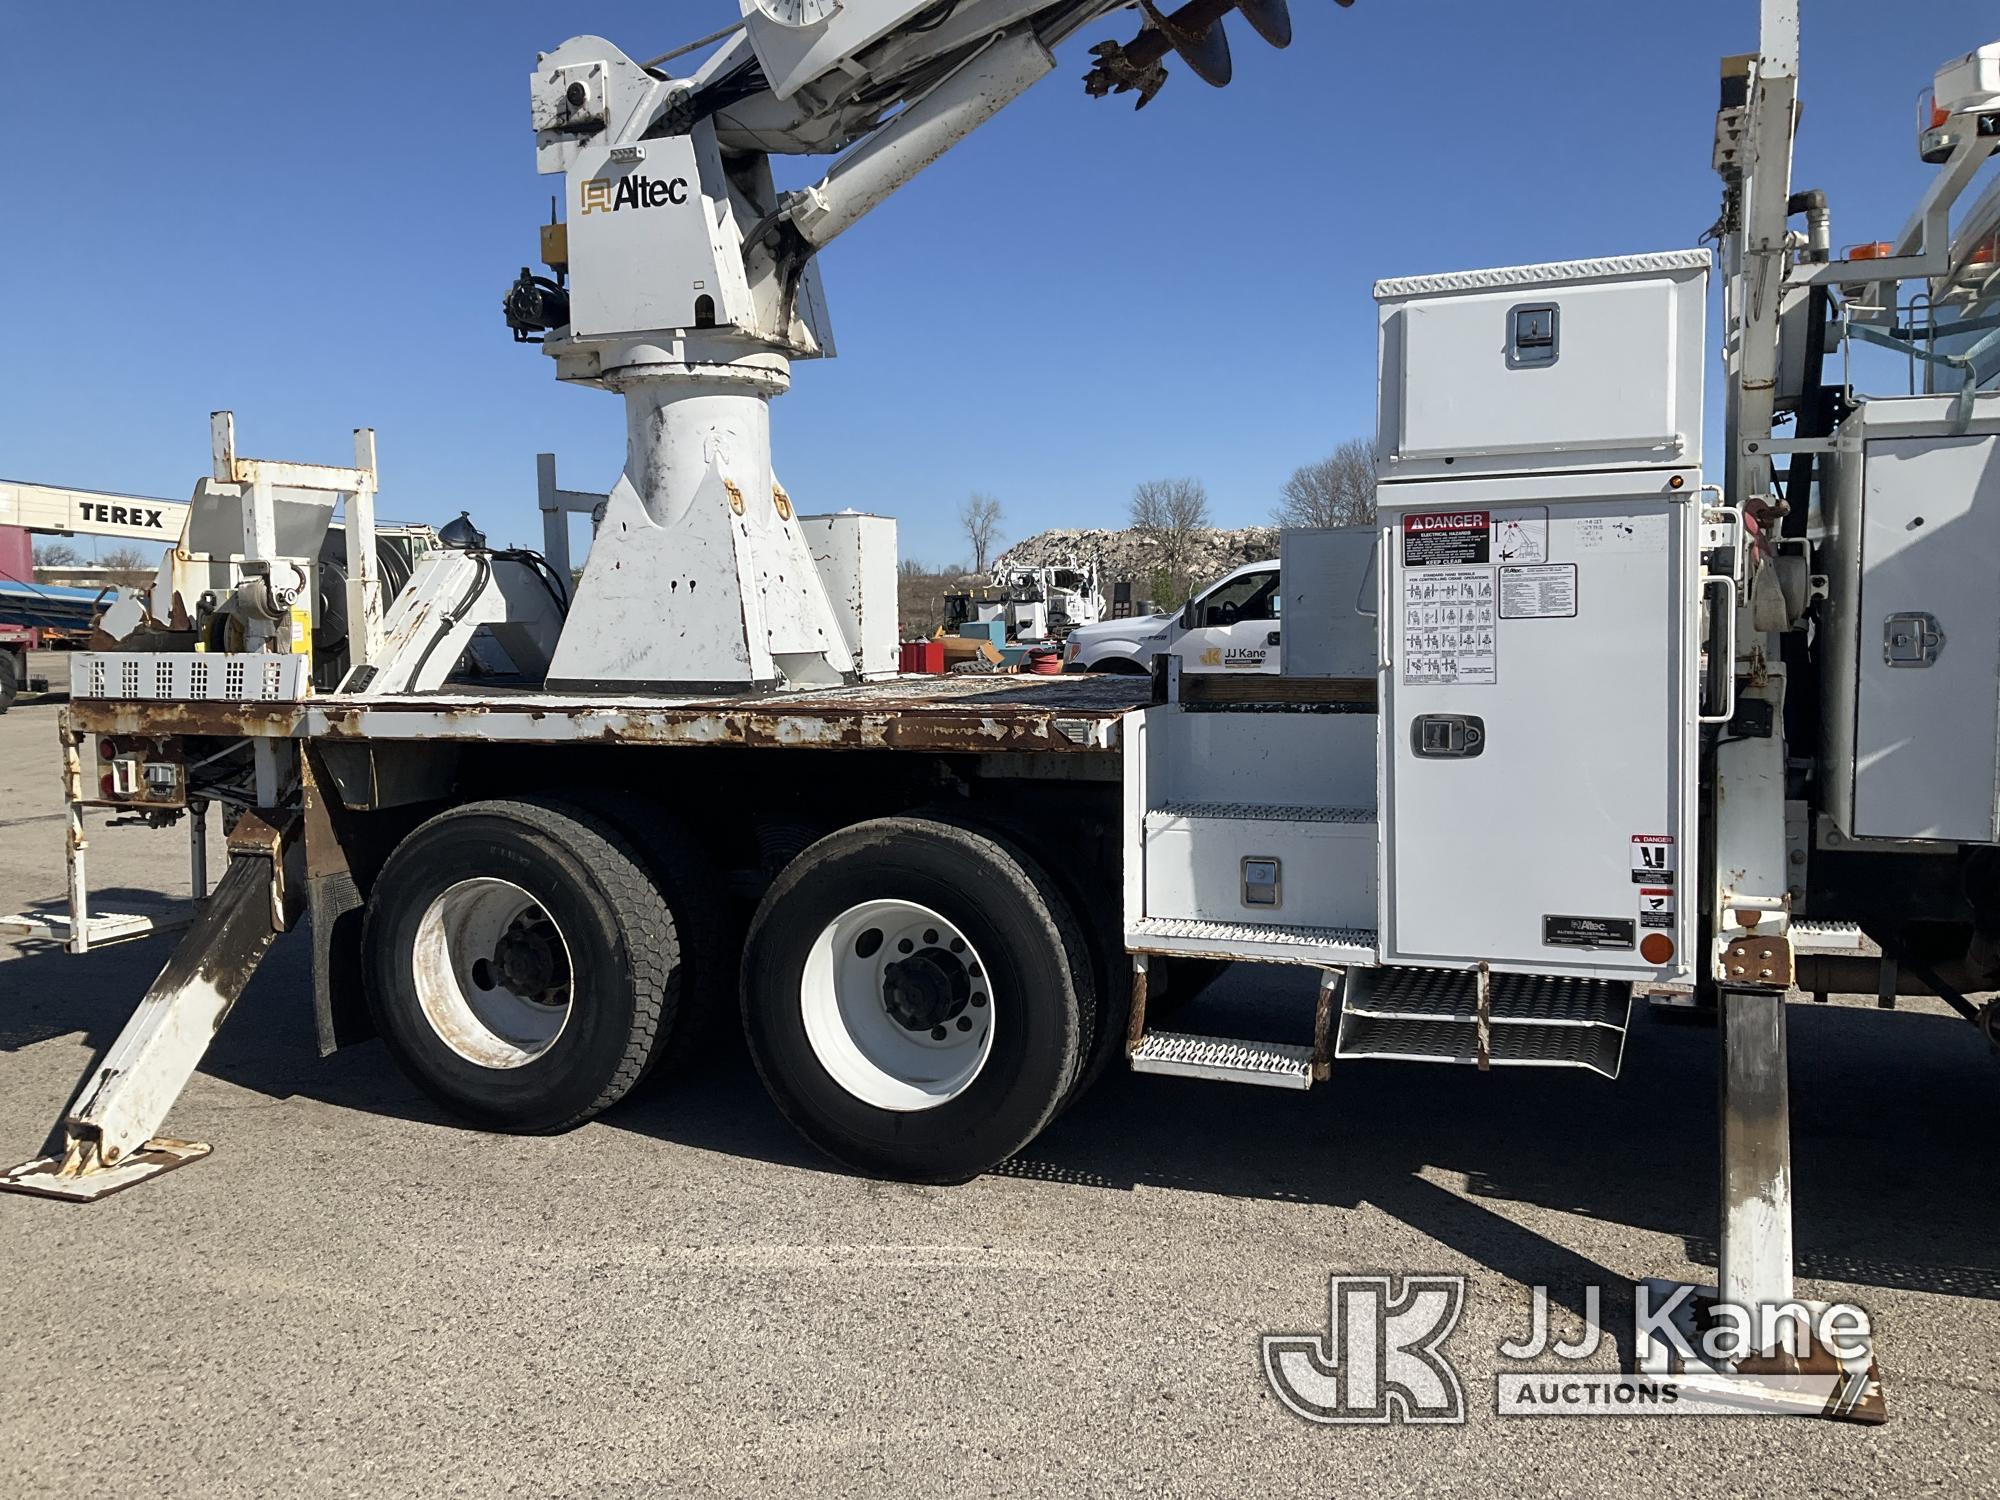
x: 1133, y: 556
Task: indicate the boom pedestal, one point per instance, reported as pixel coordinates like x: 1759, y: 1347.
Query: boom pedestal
x: 700, y: 580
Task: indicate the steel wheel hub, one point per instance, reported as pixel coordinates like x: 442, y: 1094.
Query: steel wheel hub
x: 492, y: 973
x: 897, y: 1005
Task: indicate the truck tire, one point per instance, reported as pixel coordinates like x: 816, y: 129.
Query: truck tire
x: 1102, y: 1030
x: 521, y: 965
x: 708, y: 924
x: 913, y: 998
x: 10, y: 680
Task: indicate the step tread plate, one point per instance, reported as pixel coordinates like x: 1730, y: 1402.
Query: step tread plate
x: 1817, y: 935
x: 1515, y: 999
x: 1597, y: 1048
x: 1184, y: 1055
x: 1339, y: 946
x: 1265, y: 812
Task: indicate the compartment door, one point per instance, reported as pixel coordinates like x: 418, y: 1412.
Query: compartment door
x: 1929, y: 649
x: 1538, y: 737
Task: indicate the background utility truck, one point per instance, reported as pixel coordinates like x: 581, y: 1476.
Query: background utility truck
x: 1619, y: 731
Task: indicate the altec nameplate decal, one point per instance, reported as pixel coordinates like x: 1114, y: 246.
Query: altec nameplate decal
x: 1446, y: 538
x: 1588, y: 932
x: 608, y: 195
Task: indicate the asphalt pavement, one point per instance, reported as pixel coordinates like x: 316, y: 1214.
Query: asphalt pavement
x: 356, y: 1296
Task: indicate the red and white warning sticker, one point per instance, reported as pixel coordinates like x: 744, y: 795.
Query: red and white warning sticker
x: 1652, y: 859
x: 1656, y: 906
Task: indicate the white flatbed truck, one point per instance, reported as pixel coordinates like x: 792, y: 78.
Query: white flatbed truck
x: 1621, y: 732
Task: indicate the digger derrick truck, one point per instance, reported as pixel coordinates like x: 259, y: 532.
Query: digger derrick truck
x: 1571, y: 726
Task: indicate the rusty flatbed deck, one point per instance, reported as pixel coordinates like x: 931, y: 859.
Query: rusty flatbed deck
x: 974, y: 714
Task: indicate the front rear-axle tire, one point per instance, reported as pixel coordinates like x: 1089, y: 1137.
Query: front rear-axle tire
x: 521, y: 965
x: 912, y: 997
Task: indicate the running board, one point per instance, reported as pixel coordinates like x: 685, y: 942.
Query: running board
x: 109, y: 1140
x: 1488, y: 1020
x: 1178, y: 1055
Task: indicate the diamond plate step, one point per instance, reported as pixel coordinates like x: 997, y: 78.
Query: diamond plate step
x: 1813, y: 936
x: 1256, y: 942
x: 1180, y: 1055
x: 1263, y: 812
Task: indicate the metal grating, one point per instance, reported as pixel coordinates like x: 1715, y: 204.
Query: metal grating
x: 189, y: 677
x: 1271, y: 812
x: 1178, y: 1054
x: 1516, y: 999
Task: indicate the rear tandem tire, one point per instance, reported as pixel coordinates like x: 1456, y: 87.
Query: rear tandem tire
x: 1022, y: 944
x: 708, y: 924
x: 457, y: 932
x: 10, y: 680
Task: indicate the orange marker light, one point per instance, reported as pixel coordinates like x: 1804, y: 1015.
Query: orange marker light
x: 1656, y: 948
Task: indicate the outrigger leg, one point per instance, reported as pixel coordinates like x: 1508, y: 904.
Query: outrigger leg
x: 109, y: 1141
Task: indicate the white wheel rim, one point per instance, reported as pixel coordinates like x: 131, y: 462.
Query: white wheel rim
x: 897, y: 1005
x: 493, y: 973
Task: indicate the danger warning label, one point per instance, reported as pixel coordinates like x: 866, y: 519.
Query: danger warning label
x: 1656, y: 906
x: 1652, y: 859
x: 1448, y: 538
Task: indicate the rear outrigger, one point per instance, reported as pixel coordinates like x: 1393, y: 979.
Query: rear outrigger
x: 1570, y: 726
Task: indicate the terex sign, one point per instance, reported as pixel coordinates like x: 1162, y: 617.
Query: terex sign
x: 44, y: 508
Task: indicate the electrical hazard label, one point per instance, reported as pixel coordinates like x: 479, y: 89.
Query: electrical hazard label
x: 1656, y: 906
x: 1446, y: 538
x: 1521, y: 536
x: 1652, y: 859
x: 1448, y: 627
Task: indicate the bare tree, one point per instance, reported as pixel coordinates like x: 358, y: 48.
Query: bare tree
x: 1171, y: 514
x: 57, y: 555
x: 121, y: 559
x: 980, y: 516
x: 1339, y: 490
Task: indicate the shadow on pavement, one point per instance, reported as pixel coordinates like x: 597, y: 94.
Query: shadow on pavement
x: 1893, y: 1174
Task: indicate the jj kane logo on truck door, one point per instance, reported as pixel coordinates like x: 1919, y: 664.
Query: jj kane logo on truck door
x: 607, y: 195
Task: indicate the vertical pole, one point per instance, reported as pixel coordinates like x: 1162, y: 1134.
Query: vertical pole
x: 198, y: 849
x: 1756, y: 1252
x: 364, y: 578
x: 555, y: 518
x: 74, y: 842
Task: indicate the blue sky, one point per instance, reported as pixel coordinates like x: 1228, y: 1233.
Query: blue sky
x: 309, y: 212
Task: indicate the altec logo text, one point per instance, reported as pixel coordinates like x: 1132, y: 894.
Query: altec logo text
x: 606, y: 195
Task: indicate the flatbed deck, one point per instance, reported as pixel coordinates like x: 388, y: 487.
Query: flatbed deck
x: 971, y: 714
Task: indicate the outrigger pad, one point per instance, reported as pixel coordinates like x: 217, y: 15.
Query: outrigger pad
x: 45, y: 1178
x: 1818, y: 1384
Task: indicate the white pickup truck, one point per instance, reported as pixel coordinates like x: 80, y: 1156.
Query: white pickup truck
x: 1232, y: 626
